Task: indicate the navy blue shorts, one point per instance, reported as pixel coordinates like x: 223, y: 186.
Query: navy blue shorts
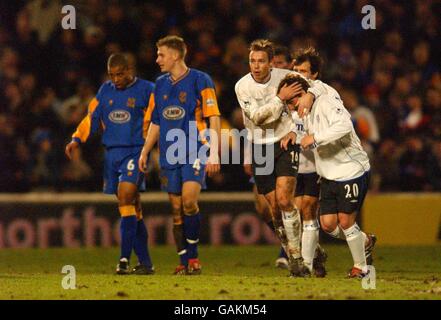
x: 121, y: 165
x: 343, y: 196
x: 173, y: 179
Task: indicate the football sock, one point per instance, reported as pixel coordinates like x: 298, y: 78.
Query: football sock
x: 178, y: 234
x: 127, y: 230
x: 356, y: 240
x: 310, y: 237
x: 337, y: 233
x: 141, y: 248
x: 192, y: 225
x: 293, y: 228
x: 280, y: 232
x: 282, y: 253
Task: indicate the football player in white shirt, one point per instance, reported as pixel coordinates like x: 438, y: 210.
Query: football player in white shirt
x: 270, y: 129
x: 308, y: 63
x: 281, y: 60
x: 344, y: 167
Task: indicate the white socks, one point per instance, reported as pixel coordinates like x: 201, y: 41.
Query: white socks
x: 293, y: 229
x: 310, y: 238
x: 356, y: 240
x: 337, y: 233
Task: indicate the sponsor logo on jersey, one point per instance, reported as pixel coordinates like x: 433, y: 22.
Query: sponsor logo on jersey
x: 182, y: 97
x: 131, y: 102
x: 119, y: 116
x: 173, y: 113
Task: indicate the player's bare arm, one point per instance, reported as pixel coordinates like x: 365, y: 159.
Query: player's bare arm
x: 150, y: 141
x: 70, y: 148
x: 307, y: 141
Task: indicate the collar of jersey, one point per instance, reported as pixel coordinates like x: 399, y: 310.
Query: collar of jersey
x: 180, y: 78
x: 128, y: 86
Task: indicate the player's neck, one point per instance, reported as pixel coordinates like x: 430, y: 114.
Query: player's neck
x: 179, y: 70
x: 264, y: 80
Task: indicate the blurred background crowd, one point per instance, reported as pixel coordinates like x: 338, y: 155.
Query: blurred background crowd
x: 389, y: 77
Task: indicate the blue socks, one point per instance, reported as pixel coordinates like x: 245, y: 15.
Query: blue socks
x: 128, y: 230
x: 192, y: 226
x: 140, y: 246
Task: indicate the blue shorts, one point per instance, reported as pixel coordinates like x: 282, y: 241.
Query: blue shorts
x: 173, y: 179
x: 121, y: 165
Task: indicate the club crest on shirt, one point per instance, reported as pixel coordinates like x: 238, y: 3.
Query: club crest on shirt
x: 164, y: 97
x: 182, y: 97
x: 131, y: 102
x: 110, y: 102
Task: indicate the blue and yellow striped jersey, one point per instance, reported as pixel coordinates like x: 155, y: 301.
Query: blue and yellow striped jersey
x: 183, y: 104
x: 122, y: 114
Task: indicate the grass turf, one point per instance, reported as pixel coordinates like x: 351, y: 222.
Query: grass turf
x: 229, y: 272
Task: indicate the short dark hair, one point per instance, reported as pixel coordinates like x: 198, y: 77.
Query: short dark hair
x: 291, y: 78
x: 117, y: 59
x: 263, y: 45
x: 283, y: 51
x: 312, y: 56
x: 174, y: 42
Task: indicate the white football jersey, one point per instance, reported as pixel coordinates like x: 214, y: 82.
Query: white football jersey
x: 338, y: 152
x: 306, y: 158
x: 265, y: 115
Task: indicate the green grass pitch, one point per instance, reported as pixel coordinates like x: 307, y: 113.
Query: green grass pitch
x: 229, y: 272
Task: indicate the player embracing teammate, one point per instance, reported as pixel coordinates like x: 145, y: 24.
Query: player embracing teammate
x: 272, y: 102
x: 272, y: 131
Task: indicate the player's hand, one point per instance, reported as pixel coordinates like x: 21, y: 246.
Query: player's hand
x: 304, y: 104
x: 70, y: 147
x: 248, y: 168
x: 307, y: 141
x: 142, y: 162
x: 286, y: 140
x: 213, y: 166
x: 289, y: 92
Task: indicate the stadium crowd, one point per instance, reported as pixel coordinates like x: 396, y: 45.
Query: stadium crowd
x: 389, y: 77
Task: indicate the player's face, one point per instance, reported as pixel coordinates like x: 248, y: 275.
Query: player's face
x: 167, y: 58
x: 259, y: 65
x: 305, y: 70
x: 120, y: 76
x: 294, y: 101
x: 280, y: 62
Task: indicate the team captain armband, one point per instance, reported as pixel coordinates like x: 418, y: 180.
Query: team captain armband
x: 209, y: 103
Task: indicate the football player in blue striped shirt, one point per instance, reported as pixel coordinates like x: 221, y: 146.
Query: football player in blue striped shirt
x: 119, y: 109
x: 185, y: 105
